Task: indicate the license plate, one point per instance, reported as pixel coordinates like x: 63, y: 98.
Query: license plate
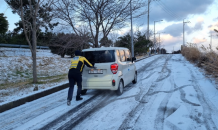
x: 95, y: 71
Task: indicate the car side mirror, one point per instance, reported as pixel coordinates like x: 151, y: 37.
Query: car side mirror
x: 133, y: 59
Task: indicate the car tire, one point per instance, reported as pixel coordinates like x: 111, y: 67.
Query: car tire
x: 135, y: 78
x: 120, y: 88
x: 83, y: 92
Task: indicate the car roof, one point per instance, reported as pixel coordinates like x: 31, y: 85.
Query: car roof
x: 105, y: 48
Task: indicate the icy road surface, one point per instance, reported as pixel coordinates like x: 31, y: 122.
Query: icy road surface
x: 171, y: 94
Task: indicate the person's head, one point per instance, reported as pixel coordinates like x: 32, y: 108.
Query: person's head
x: 77, y: 53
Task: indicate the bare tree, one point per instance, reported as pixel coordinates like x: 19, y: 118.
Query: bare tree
x: 99, y: 15
x: 114, y: 36
x: 34, y: 14
x: 105, y: 15
x: 67, y: 43
x: 65, y: 11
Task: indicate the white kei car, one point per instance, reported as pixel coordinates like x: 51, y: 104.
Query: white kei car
x: 115, y: 68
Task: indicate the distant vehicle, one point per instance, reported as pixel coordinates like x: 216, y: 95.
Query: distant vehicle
x: 115, y: 68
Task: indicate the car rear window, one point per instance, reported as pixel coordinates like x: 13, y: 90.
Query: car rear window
x: 103, y: 56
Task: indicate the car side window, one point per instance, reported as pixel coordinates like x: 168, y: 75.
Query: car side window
x: 122, y: 56
x: 118, y: 55
x: 127, y: 54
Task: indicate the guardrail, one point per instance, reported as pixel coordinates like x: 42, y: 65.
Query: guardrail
x: 22, y: 46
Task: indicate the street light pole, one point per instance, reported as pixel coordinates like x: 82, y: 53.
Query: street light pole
x: 154, y: 32
x: 131, y: 29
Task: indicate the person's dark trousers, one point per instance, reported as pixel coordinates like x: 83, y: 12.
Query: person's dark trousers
x: 74, y: 77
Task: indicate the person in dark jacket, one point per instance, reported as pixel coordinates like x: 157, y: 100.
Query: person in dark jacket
x: 75, y: 75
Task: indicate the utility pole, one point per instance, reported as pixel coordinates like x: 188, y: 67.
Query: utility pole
x: 211, y: 41
x: 154, y: 33
x: 184, y: 31
x: 159, y: 44
x: 131, y: 29
x: 159, y: 38
x: 149, y: 1
x: 211, y: 37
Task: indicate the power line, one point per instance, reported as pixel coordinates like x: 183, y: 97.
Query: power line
x: 6, y: 9
x: 168, y: 11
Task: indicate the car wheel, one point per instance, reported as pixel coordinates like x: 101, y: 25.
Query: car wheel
x: 135, y: 78
x: 120, y: 88
x: 83, y: 92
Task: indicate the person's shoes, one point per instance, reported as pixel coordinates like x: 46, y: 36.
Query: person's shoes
x: 68, y: 102
x: 78, y: 98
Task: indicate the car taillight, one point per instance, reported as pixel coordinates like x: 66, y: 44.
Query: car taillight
x: 114, y: 68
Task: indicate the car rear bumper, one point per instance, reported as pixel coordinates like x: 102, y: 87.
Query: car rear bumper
x: 99, y: 85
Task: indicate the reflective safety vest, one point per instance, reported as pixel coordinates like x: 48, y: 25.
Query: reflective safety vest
x: 78, y: 62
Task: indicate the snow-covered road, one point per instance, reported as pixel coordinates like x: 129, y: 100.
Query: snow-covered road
x: 170, y: 94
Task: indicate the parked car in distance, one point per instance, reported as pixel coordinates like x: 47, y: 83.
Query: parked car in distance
x: 115, y: 68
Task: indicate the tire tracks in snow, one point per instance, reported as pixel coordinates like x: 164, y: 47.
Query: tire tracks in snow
x: 162, y: 110
x: 208, y: 107
x: 74, y: 120
x: 133, y: 116
x: 77, y: 114
x: 19, y: 115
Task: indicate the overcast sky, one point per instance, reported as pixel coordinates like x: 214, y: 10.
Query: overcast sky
x: 202, y: 14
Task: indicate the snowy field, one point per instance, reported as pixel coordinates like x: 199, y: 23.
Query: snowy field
x: 16, y: 72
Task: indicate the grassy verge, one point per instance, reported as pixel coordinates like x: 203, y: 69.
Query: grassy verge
x: 28, y: 82
x: 203, y: 57
x: 140, y: 56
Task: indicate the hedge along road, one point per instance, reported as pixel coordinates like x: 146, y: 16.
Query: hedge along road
x: 170, y: 94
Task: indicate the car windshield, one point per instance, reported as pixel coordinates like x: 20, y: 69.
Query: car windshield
x: 103, y: 56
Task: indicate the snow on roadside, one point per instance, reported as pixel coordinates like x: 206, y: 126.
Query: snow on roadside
x: 16, y: 67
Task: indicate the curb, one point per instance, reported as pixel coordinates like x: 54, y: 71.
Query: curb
x: 144, y: 58
x: 30, y: 98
